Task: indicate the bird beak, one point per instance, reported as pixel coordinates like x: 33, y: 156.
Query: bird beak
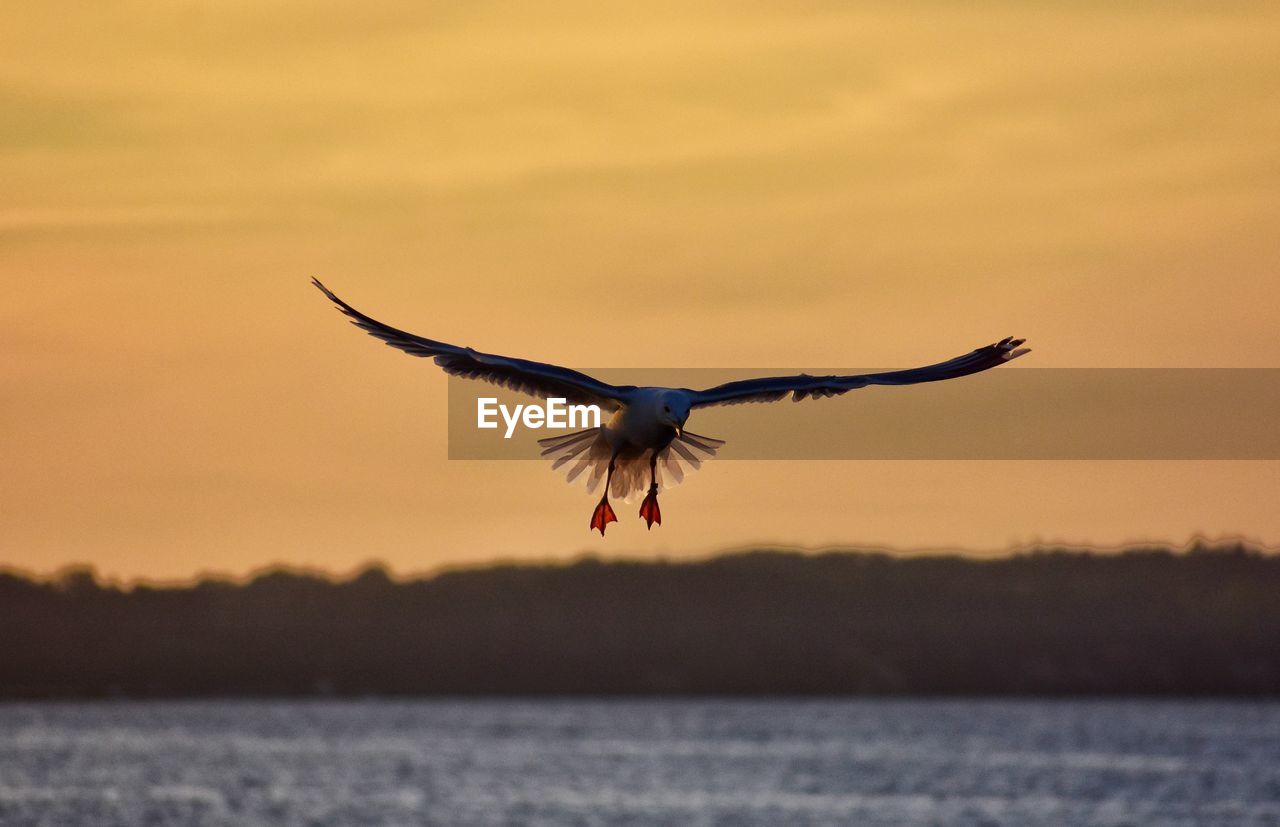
x: 679, y: 430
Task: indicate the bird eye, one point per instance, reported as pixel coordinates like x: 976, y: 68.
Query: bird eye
x: 666, y: 408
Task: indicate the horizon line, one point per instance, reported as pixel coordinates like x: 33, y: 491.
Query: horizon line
x: 1194, y: 542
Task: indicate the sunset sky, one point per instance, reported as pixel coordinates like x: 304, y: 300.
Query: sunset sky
x: 749, y: 185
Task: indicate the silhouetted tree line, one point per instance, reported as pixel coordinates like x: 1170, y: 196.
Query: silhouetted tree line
x: 1145, y: 621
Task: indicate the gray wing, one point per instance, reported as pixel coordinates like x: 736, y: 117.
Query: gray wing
x: 805, y: 386
x: 534, y: 378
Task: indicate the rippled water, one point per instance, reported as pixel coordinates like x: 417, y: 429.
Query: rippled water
x: 641, y: 762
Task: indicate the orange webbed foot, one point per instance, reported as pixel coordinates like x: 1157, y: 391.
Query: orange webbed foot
x: 602, y: 516
x: 649, y: 508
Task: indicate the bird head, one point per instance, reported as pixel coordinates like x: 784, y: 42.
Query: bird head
x: 673, y: 410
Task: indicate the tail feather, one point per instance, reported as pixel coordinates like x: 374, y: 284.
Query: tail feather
x: 671, y: 467
x: 707, y: 444
x: 685, y: 454
x: 557, y: 443
x: 589, y: 452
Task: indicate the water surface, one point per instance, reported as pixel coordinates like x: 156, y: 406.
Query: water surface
x: 588, y: 762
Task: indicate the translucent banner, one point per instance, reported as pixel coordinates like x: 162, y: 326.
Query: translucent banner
x: 1002, y: 414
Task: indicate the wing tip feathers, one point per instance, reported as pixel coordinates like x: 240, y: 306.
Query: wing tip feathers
x: 1011, y: 348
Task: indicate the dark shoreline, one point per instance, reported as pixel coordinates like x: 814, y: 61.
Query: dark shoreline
x: 1144, y: 623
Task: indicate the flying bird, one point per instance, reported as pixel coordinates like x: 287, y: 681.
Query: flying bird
x: 646, y: 425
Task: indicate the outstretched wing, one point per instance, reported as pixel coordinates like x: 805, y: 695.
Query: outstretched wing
x: 805, y: 386
x: 534, y: 378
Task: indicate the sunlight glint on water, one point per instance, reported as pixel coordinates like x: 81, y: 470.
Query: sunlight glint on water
x: 641, y: 762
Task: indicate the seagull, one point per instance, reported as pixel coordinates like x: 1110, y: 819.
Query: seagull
x: 646, y: 425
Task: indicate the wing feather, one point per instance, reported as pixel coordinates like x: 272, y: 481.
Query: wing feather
x: 800, y: 387
x: 522, y: 375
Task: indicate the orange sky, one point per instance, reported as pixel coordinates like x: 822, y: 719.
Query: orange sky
x: 770, y: 185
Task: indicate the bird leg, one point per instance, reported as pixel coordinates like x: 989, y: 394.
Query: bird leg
x: 603, y: 515
x: 649, y: 508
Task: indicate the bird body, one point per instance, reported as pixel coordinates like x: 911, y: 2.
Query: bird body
x: 646, y: 419
x: 646, y: 425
